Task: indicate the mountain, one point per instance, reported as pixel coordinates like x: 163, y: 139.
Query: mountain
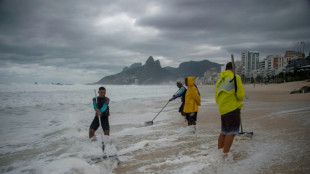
x: 194, y: 68
x: 150, y: 73
x: 135, y: 65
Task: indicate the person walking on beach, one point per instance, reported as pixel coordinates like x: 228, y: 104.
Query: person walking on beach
x: 181, y: 93
x: 102, y: 111
x: 229, y: 93
x: 192, y: 101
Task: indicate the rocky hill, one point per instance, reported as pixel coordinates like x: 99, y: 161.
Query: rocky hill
x: 135, y: 65
x: 194, y: 68
x: 152, y: 72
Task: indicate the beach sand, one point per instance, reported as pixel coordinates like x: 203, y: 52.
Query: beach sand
x: 276, y: 117
x: 280, y: 122
x: 286, y: 118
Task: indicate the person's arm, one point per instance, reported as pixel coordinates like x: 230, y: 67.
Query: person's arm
x: 95, y: 107
x: 197, y: 97
x: 179, y: 94
x: 240, y: 90
x: 94, y: 103
x: 105, y: 105
x: 216, y: 92
x: 103, y: 108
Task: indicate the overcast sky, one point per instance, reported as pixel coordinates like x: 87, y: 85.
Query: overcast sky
x: 78, y: 41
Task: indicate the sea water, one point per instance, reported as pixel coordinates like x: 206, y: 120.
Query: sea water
x: 44, y: 129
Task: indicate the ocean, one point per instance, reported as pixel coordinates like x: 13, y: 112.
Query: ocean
x: 44, y: 129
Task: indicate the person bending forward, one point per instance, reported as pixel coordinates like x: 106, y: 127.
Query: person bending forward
x: 181, y: 93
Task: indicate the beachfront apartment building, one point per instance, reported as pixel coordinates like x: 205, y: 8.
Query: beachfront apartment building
x: 275, y: 64
x: 272, y: 64
x: 249, y: 62
x: 238, y: 67
x: 290, y: 55
x: 263, y: 68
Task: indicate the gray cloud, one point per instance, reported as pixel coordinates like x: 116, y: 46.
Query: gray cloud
x: 92, y: 39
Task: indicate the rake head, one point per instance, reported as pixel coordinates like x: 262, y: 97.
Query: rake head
x: 246, y: 134
x: 148, y: 123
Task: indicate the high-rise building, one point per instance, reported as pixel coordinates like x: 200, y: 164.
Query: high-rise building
x: 238, y: 67
x: 250, y: 62
x: 293, y: 54
x: 263, y: 68
x: 274, y: 64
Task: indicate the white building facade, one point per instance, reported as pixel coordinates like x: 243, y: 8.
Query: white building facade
x: 273, y: 65
x: 250, y: 62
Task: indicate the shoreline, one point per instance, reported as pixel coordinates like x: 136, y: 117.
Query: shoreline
x: 274, y: 115
x: 277, y: 118
x: 272, y: 92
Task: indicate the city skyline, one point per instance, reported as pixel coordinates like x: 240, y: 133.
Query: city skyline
x: 251, y: 65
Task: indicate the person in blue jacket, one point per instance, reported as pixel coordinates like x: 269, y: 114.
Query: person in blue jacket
x: 181, y: 93
x: 102, y: 110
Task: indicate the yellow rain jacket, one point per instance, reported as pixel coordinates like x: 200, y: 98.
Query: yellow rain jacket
x: 225, y: 95
x: 192, y: 98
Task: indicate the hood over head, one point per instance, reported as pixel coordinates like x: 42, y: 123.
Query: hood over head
x: 190, y: 81
x: 226, y: 73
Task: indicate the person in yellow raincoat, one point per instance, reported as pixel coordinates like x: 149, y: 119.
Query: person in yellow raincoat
x: 192, y: 101
x: 229, y: 96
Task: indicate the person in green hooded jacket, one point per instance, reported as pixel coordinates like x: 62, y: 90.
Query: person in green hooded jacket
x: 229, y: 96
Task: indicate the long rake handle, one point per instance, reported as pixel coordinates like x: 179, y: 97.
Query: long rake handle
x: 99, y: 119
x: 234, y: 71
x: 241, y: 125
x: 161, y: 110
x: 235, y: 81
x: 164, y: 106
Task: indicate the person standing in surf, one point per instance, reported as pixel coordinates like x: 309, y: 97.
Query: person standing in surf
x: 192, y: 101
x: 102, y: 110
x: 229, y: 96
x: 181, y: 93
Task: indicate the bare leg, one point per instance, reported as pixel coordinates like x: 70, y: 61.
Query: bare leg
x: 221, y: 140
x: 191, y: 123
x: 91, y: 133
x: 106, y: 132
x: 228, y: 142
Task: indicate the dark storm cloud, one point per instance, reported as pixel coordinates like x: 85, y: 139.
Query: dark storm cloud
x: 217, y: 15
x: 222, y: 23
x: 105, y: 36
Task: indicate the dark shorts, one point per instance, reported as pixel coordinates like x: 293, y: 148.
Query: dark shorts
x: 104, y: 123
x: 231, y: 123
x: 191, y: 116
x: 181, y: 108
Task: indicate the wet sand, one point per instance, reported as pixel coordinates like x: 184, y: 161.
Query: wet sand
x: 275, y: 116
x: 280, y: 122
